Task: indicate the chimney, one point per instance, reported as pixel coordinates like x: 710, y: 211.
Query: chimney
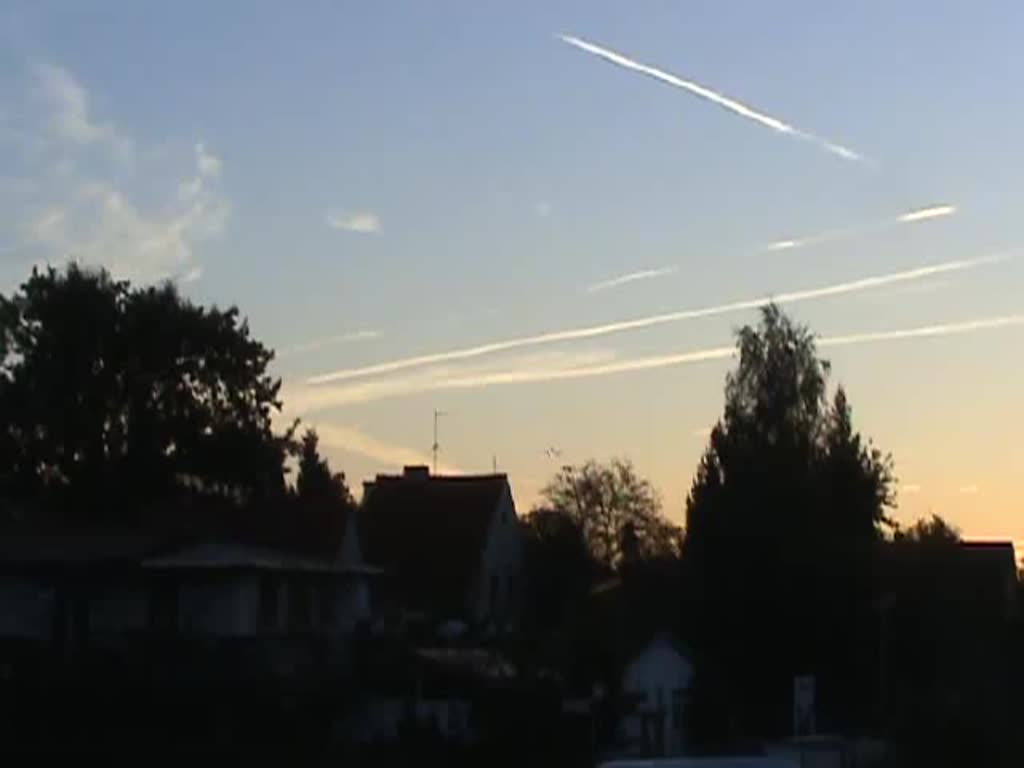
x: 416, y: 472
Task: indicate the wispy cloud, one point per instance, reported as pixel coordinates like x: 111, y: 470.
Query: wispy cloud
x: 702, y: 432
x: 319, y: 398
x: 908, y: 217
x: 330, y: 341
x: 715, y: 97
x: 910, y: 489
x: 96, y: 221
x: 70, y: 115
x: 209, y: 165
x: 353, y: 440
x: 191, y: 276
x: 364, y: 222
x: 576, y: 334
x: 969, y: 490
x: 542, y: 208
x: 643, y: 274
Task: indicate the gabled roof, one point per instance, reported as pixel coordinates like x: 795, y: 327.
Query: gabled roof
x: 428, y: 533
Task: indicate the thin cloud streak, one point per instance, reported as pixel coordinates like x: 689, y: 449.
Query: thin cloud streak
x: 704, y: 92
x: 643, y: 274
x: 360, y: 393
x: 908, y: 217
x: 576, y: 334
x: 923, y: 214
x: 329, y: 341
x: 362, y: 222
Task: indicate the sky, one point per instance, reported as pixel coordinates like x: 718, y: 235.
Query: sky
x: 377, y: 185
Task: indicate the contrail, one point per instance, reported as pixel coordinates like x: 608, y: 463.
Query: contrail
x: 344, y: 338
x: 575, y: 334
x: 908, y: 217
x: 927, y: 213
x: 347, y: 395
x: 713, y: 96
x: 946, y: 329
x: 644, y: 274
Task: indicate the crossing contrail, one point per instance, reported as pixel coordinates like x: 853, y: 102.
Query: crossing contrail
x: 351, y: 394
x: 704, y: 92
x: 588, y: 332
x: 909, y: 217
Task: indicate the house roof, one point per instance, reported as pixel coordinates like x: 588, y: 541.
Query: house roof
x: 20, y: 549
x: 211, y: 555
x: 428, y: 533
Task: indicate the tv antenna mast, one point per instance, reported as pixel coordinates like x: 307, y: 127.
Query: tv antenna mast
x: 436, y: 446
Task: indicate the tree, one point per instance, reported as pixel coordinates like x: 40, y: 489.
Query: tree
x: 782, y: 523
x: 559, y: 568
x: 113, y: 396
x: 321, y: 502
x: 610, y: 503
x: 933, y: 531
x: 316, y: 481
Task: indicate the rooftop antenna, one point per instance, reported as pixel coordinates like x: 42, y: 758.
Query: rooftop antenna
x: 494, y: 463
x: 436, y: 446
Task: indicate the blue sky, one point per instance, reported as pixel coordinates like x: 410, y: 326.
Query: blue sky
x: 496, y: 172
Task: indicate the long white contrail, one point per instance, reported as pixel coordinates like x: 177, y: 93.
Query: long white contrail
x: 713, y: 96
x: 575, y: 334
x: 908, y: 217
x: 944, y: 329
x: 361, y: 393
x: 643, y: 274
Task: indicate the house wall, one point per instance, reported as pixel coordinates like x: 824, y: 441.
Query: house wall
x: 352, y: 603
x: 499, y: 587
x: 119, y: 609
x: 661, y: 676
x: 221, y: 605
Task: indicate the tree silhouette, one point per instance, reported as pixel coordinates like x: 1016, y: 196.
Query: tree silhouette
x: 607, y: 501
x: 112, y: 396
x: 783, y: 519
x: 559, y: 567
x: 933, y: 531
x: 321, y: 502
x: 316, y: 482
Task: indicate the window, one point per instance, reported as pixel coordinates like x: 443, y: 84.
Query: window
x: 163, y: 607
x: 268, y: 602
x: 328, y: 594
x: 299, y: 608
x: 495, y: 591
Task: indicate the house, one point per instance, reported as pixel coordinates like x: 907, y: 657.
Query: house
x: 78, y: 590
x: 229, y: 590
x: 450, y: 546
x: 656, y: 681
